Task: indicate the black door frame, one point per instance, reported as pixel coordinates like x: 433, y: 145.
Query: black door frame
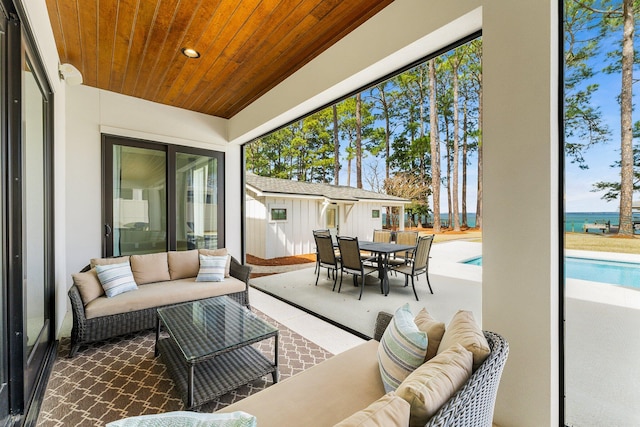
x: 170, y: 150
x: 27, y: 374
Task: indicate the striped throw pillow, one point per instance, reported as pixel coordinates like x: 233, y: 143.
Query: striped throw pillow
x: 402, y: 349
x: 116, y: 279
x: 211, y: 268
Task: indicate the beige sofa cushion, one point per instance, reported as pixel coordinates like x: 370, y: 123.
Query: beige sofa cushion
x: 88, y: 285
x: 434, y: 330
x: 218, y: 252
x: 432, y: 384
x: 108, y: 261
x: 183, y: 264
x: 162, y: 293
x: 388, y: 411
x: 150, y: 268
x: 322, y: 395
x: 464, y: 330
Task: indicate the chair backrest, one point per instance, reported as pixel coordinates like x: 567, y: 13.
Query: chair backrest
x: 350, y: 253
x: 407, y: 237
x: 421, y: 257
x: 383, y: 236
x: 324, y: 246
x: 323, y: 232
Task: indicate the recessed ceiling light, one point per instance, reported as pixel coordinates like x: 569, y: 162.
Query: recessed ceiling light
x: 190, y: 53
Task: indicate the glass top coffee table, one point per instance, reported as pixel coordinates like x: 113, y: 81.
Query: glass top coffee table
x: 208, y: 352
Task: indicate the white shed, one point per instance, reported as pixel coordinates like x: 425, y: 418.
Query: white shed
x: 282, y: 214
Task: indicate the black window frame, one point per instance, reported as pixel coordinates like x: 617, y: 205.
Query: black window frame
x: 170, y: 150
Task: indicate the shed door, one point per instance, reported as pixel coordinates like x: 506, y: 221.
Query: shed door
x: 332, y: 219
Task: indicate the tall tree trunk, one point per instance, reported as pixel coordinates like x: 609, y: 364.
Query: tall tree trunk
x: 435, y: 147
x: 447, y: 138
x: 336, y: 147
x: 455, y: 211
x: 464, y: 163
x: 626, y: 131
x: 358, y: 141
x: 480, y: 165
x: 387, y: 130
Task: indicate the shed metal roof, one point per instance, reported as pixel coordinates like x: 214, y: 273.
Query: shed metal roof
x: 285, y: 187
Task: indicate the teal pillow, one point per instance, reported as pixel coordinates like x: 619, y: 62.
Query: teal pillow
x: 402, y: 349
x: 116, y: 279
x: 188, y: 419
x: 212, y: 268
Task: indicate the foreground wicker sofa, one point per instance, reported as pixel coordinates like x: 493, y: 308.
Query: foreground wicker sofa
x: 328, y: 393
x: 96, y: 317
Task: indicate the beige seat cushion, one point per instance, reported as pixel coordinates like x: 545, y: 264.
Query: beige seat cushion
x: 388, y: 411
x: 433, y: 329
x: 218, y: 252
x: 464, y: 330
x: 162, y: 293
x: 322, y: 395
x: 150, y: 268
x: 183, y: 264
x: 88, y: 285
x: 432, y: 384
x: 108, y: 261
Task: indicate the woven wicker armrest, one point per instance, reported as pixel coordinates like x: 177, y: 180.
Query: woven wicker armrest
x: 382, y: 321
x: 474, y: 403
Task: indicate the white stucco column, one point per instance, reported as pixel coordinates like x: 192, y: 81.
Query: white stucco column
x: 521, y: 204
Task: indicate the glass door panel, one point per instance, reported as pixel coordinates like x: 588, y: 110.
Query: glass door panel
x: 139, y: 200
x: 4, y: 394
x: 196, y: 201
x: 34, y: 211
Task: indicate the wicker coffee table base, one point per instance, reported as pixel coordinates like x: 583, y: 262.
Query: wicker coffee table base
x: 206, y: 380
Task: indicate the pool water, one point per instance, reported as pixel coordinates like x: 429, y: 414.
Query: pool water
x: 618, y: 273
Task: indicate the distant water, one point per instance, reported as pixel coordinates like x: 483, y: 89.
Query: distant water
x: 573, y: 221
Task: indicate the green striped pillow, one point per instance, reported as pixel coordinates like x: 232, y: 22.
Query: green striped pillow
x: 211, y: 268
x: 116, y: 279
x: 402, y: 349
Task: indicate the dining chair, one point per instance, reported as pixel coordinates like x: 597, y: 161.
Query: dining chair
x: 326, y: 257
x: 404, y: 238
x: 323, y: 232
x: 383, y: 236
x: 352, y: 262
x: 420, y: 264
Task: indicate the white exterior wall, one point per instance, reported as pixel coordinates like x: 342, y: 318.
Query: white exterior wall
x: 91, y: 112
x: 272, y: 239
x: 358, y: 222
x: 255, y: 226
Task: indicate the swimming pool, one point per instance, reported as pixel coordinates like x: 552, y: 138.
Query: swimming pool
x: 617, y: 273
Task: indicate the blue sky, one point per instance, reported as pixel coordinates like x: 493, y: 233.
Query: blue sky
x: 578, y: 182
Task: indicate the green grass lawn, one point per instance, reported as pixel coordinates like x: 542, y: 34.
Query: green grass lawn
x: 603, y: 243
x: 581, y: 241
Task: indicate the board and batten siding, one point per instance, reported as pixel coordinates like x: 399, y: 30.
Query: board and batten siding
x: 359, y: 221
x: 293, y: 236
x: 256, y: 214
x: 268, y: 238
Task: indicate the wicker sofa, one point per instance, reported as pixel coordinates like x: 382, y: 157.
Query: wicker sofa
x: 336, y: 390
x: 163, y: 279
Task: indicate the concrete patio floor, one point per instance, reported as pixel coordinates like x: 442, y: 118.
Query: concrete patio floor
x: 602, y: 351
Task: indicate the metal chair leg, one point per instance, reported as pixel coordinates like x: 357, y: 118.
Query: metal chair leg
x: 426, y: 273
x: 413, y: 285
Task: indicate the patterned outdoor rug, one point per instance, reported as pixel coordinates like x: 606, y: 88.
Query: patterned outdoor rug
x: 120, y: 378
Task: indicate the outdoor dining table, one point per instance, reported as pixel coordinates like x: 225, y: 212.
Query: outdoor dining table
x: 383, y: 251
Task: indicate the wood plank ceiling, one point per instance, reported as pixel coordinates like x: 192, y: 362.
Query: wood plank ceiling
x: 247, y: 47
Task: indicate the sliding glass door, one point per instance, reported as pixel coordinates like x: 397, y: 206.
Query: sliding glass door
x: 4, y: 389
x: 159, y: 197
x: 197, y: 206
x: 139, y: 182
